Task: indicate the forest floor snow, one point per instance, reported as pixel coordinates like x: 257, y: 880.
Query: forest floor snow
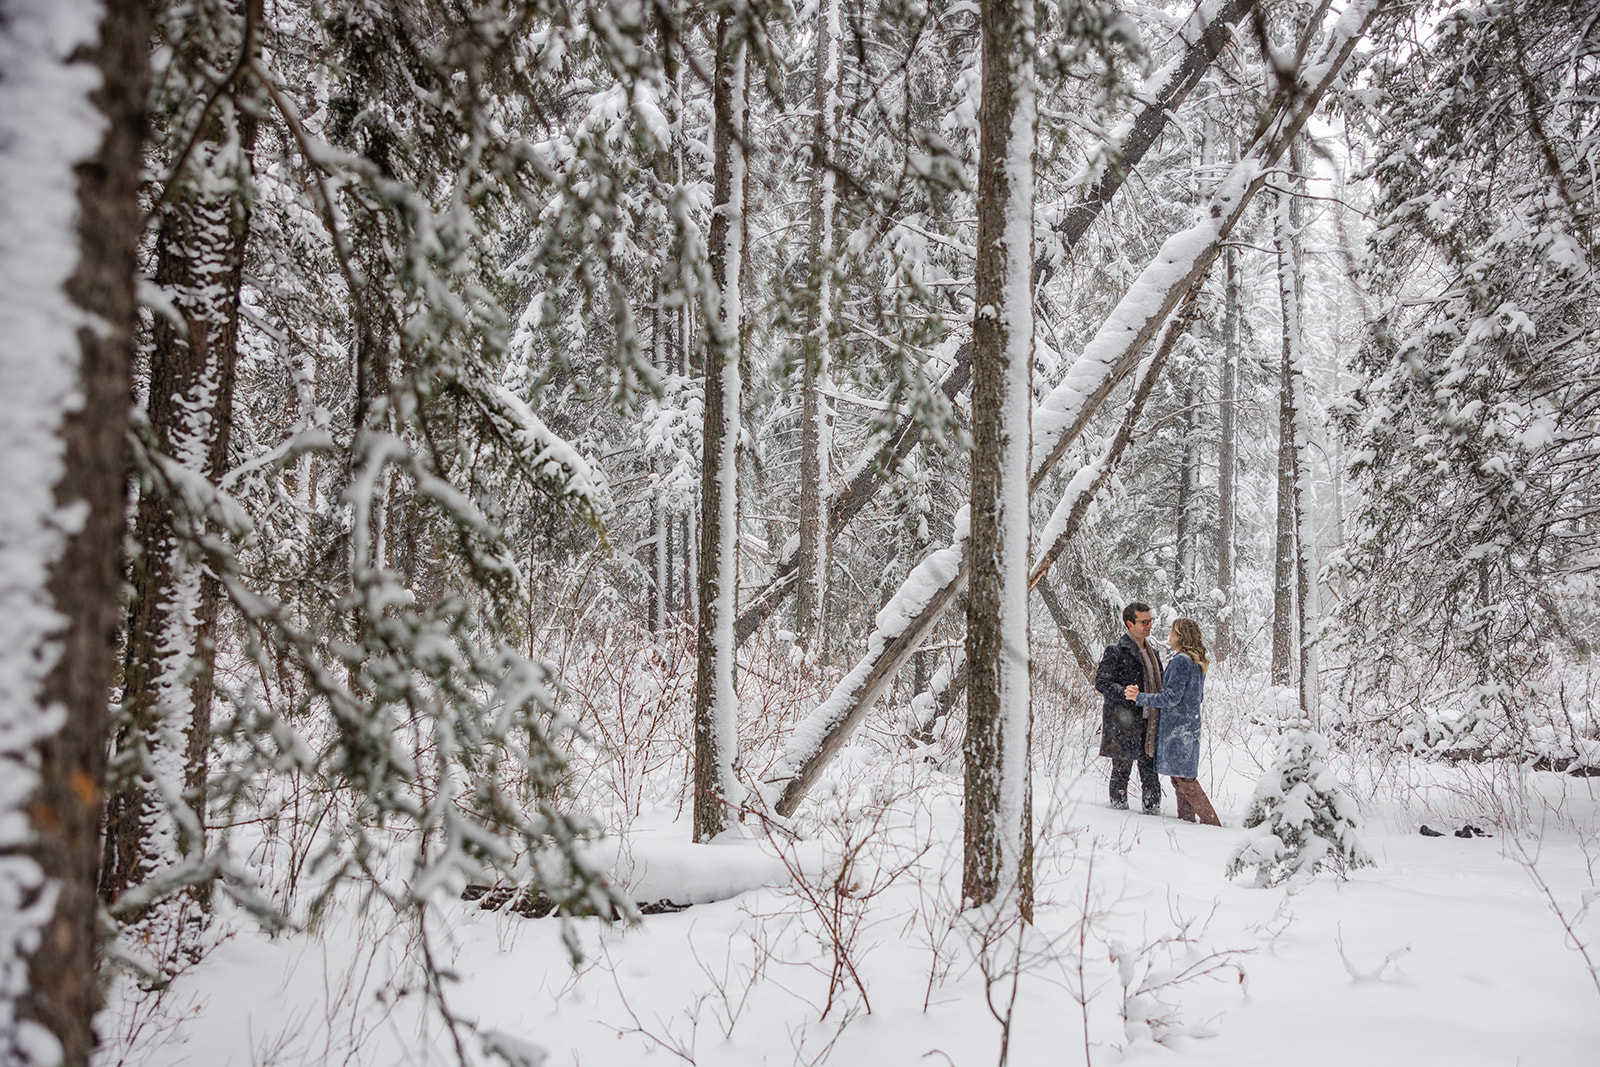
x: 1448, y: 951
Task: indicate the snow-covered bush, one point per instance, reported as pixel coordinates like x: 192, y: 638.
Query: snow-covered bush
x: 1300, y: 818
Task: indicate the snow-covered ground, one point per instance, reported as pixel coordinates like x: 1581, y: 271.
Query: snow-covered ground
x: 1449, y: 951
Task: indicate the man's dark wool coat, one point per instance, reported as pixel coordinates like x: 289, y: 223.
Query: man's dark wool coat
x: 1122, y: 721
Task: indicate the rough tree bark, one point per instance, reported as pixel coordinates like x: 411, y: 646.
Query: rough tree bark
x: 164, y: 726
x: 1227, y: 457
x: 1285, y: 553
x: 74, y: 77
x: 998, y: 864
x: 716, y: 706
x: 815, y: 538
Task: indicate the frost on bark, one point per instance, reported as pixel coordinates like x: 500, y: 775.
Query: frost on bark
x: 998, y: 863
x: 716, y: 736
x: 812, y: 560
x: 155, y: 820
x: 72, y: 120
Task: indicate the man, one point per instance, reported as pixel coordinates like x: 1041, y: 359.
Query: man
x: 1131, y: 661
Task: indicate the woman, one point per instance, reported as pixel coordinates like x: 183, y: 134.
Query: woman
x: 1183, y: 685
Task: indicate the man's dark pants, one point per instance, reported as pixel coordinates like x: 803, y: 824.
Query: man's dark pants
x: 1149, y: 782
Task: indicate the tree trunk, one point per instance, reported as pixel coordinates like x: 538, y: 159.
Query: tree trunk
x: 74, y: 119
x: 1305, y: 565
x: 716, y: 706
x: 999, y: 825
x: 1227, y: 458
x: 812, y: 562
x: 665, y: 318
x: 1081, y: 655
x: 164, y: 725
x: 1188, y: 484
x: 1284, y: 554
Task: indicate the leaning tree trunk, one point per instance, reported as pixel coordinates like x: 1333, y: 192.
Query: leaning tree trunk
x: 156, y: 814
x: 999, y: 813
x: 716, y: 706
x: 74, y: 76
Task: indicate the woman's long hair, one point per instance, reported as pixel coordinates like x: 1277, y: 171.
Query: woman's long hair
x: 1186, y: 639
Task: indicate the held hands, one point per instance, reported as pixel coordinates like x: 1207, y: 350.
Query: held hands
x: 1130, y: 692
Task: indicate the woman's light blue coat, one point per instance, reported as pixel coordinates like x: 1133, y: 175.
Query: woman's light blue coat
x: 1183, y: 686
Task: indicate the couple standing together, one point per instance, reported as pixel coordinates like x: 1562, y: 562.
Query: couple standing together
x: 1152, y: 714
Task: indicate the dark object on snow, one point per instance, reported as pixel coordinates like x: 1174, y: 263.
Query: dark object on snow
x: 662, y: 907
x: 528, y: 903
x: 1471, y: 831
x: 1428, y: 831
x: 534, y: 905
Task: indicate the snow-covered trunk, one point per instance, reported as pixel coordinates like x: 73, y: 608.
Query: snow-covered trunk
x: 1227, y: 457
x: 998, y: 863
x: 716, y: 704
x: 156, y: 813
x: 816, y: 417
x: 73, y: 81
x: 1111, y: 355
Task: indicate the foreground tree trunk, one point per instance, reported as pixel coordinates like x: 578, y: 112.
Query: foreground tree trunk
x: 69, y: 228
x: 716, y: 704
x: 999, y: 815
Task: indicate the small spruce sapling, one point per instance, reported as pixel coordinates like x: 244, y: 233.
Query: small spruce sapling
x: 1300, y: 818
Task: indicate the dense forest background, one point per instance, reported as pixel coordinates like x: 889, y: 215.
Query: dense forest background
x: 545, y: 412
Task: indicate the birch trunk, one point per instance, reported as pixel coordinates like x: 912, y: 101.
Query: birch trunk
x: 716, y: 735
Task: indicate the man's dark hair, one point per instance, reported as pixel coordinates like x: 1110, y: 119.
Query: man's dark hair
x: 1132, y: 610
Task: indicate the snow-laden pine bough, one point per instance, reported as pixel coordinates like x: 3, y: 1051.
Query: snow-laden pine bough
x: 1177, y: 269
x: 1207, y: 31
